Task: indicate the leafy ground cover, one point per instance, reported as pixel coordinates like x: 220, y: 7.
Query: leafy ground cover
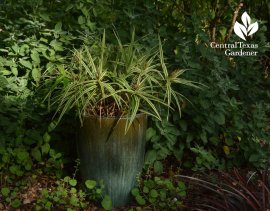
x: 174, y: 189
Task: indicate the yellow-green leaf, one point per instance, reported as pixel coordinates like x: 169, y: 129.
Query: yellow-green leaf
x: 26, y: 64
x: 36, y: 74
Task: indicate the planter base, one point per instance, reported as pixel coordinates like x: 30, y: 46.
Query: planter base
x: 107, y: 153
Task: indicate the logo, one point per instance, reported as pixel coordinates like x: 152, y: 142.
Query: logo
x: 243, y: 31
x: 247, y: 28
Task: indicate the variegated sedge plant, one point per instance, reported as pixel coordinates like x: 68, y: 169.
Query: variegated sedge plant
x: 120, y: 80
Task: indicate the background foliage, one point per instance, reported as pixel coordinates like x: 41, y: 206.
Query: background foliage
x: 223, y: 125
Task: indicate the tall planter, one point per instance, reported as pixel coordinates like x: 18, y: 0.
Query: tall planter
x: 106, y: 152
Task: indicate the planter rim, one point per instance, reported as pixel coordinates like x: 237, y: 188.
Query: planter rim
x: 113, y: 117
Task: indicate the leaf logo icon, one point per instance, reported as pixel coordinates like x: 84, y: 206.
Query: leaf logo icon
x: 245, y: 29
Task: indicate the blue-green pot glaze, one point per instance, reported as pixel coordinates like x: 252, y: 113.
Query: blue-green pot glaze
x: 110, y: 154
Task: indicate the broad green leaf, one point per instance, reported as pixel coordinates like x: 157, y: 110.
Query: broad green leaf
x: 182, y: 194
x: 58, y: 155
x: 163, y: 194
x: 3, y: 81
x: 74, y: 201
x: 66, y: 179
x: 73, y: 190
x: 22, y: 155
x: 16, y: 203
x: 35, y: 57
x: 212, y: 14
x: 14, y: 70
x: 106, y: 203
x: 214, y: 140
x: 158, y: 167
x: 98, y: 191
x: 73, y: 182
x: 46, y: 137
x: 145, y: 190
x: 15, y: 169
x: 150, y: 133
x: 6, y: 72
x: 220, y: 118
x: 169, y: 184
x: 36, y: 74
x: 150, y: 156
x: 42, y: 39
x: 85, y: 11
x: 45, y: 16
x: 48, y: 205
x: 58, y: 26
x: 90, y: 184
x: 28, y: 165
x: 153, y: 193
x: 158, y: 180
x: 45, y: 148
x: 81, y: 20
x: 223, y: 31
x: 135, y: 191
x: 140, y: 200
x: 152, y: 200
x: 229, y: 141
x: 15, y: 48
x: 181, y: 185
x: 56, y: 45
x: 52, y: 152
x: 69, y: 6
x: 5, y: 191
x: 26, y: 64
x: 205, y: 104
x: 36, y: 154
x: 204, y: 137
x: 254, y: 158
x: 52, y: 126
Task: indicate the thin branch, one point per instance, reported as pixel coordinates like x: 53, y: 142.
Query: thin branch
x: 240, y: 5
x: 218, y: 15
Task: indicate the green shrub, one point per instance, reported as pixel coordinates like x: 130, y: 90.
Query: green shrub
x: 226, y: 121
x: 67, y: 194
x: 159, y: 193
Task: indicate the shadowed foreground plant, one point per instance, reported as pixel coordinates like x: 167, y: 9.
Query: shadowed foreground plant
x: 160, y: 193
x: 230, y: 192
